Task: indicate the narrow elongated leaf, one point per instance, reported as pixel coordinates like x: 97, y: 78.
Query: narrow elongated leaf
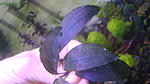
x: 75, y: 20
x: 86, y: 56
x: 49, y: 51
x: 60, y: 81
x: 110, y: 72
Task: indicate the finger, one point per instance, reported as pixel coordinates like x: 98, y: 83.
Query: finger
x: 68, y: 47
x: 72, y: 78
x: 83, y: 81
x: 22, y: 67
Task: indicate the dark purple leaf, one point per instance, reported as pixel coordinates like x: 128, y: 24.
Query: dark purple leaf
x: 87, y: 56
x: 49, y: 51
x: 75, y: 20
x: 111, y: 72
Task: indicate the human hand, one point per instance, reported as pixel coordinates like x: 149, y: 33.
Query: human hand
x: 26, y: 68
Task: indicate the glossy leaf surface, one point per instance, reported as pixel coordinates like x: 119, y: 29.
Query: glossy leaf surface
x: 86, y: 56
x: 49, y: 51
x: 75, y: 20
x: 110, y: 72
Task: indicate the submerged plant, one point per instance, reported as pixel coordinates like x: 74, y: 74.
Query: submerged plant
x: 127, y: 59
x: 88, y: 60
x: 110, y: 31
x: 98, y: 38
x: 118, y: 28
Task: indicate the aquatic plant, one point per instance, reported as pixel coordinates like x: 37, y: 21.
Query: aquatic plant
x: 88, y: 60
x: 126, y: 21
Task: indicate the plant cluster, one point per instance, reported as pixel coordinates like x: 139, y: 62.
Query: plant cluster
x: 123, y: 30
x: 116, y: 47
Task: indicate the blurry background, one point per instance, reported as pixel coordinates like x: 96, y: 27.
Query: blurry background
x: 20, y: 21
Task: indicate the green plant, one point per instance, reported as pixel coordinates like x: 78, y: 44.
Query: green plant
x: 98, y: 38
x: 127, y: 59
x: 118, y: 28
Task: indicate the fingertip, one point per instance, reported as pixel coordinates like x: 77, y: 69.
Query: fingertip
x: 68, y: 47
x: 72, y: 78
x: 83, y: 81
x: 72, y: 44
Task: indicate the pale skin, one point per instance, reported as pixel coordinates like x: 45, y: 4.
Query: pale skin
x: 26, y: 68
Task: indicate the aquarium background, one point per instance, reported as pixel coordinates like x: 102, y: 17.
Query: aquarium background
x: 12, y: 23
x: 121, y: 27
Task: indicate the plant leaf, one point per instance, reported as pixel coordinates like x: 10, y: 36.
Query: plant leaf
x: 86, y: 56
x: 98, y: 38
x: 75, y: 20
x: 49, y: 51
x: 111, y: 72
x: 60, y: 81
x: 128, y: 59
